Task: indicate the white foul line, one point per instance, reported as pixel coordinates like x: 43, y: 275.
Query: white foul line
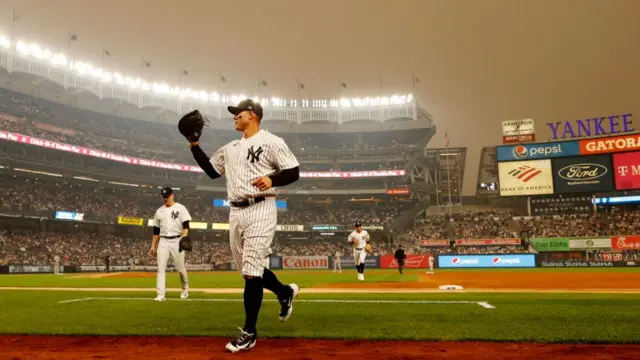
x: 485, y: 305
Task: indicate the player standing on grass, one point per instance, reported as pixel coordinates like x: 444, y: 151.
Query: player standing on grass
x: 358, y: 239
x: 170, y: 230
x: 400, y: 256
x: 337, y: 262
x: 253, y: 165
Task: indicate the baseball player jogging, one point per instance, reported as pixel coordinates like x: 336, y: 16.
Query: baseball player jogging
x: 253, y: 165
x: 170, y: 237
x: 431, y: 261
x: 337, y: 262
x: 359, y: 238
x: 400, y: 256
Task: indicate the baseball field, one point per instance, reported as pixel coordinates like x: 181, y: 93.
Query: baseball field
x: 517, y: 314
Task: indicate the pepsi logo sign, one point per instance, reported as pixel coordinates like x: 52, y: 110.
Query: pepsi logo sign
x: 520, y: 152
x: 455, y: 260
x: 496, y: 260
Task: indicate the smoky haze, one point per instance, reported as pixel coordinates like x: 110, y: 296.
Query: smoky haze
x: 479, y: 62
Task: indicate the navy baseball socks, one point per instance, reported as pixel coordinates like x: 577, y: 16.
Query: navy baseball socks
x: 253, y: 294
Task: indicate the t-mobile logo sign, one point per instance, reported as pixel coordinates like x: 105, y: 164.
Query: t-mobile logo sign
x: 624, y: 170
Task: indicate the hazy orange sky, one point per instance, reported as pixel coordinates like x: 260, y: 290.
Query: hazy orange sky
x: 479, y: 61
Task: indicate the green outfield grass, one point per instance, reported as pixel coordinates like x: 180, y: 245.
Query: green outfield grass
x: 540, y: 317
x: 592, y: 318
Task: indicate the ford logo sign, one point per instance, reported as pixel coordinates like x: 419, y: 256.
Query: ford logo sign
x: 582, y: 172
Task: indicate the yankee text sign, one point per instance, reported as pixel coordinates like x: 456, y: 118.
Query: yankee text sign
x: 598, y: 126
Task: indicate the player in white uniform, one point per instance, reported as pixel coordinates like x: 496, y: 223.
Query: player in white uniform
x: 253, y: 165
x: 431, y: 261
x: 56, y: 264
x: 170, y: 224
x: 358, y: 238
x: 337, y: 263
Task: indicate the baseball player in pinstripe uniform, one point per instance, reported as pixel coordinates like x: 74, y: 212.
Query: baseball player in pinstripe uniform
x: 253, y: 165
x: 359, y: 238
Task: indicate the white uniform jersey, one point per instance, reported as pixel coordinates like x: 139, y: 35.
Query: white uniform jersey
x: 245, y: 160
x: 431, y: 260
x: 170, y: 219
x: 360, y: 238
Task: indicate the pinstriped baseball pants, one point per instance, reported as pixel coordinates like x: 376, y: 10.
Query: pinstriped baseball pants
x: 251, y: 232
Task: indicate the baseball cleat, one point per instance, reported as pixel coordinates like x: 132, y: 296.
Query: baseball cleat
x: 159, y: 299
x: 243, y: 342
x: 185, y: 294
x: 361, y: 277
x: 286, y: 304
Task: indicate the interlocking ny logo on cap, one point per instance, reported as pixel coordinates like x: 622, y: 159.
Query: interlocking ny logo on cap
x: 525, y: 173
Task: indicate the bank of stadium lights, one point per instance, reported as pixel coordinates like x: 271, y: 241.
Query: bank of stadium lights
x: 86, y: 69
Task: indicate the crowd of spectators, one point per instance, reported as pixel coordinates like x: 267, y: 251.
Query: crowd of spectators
x: 31, y: 195
x: 26, y: 115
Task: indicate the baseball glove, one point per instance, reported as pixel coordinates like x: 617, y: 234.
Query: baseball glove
x: 368, y: 248
x: 185, y: 244
x: 191, y: 125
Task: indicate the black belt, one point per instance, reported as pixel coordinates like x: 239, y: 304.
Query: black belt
x: 247, y: 202
x: 359, y: 249
x: 171, y: 237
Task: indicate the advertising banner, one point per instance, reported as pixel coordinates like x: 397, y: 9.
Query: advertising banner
x: 398, y: 191
x: 631, y: 242
x: 28, y: 269
x: 198, y: 225
x: 347, y: 262
x: 538, y: 151
x: 518, y: 131
x: 572, y: 263
x: 519, y: 178
x: 610, y: 145
x: 66, y: 215
x: 487, y: 242
x: 487, y: 261
x: 290, y: 228
x: 413, y: 261
x: 434, y: 243
x: 589, y: 244
x: 218, y: 226
x: 123, y: 220
x: 550, y: 244
x: 565, y: 255
x: 305, y: 262
x: 325, y: 228
x: 583, y: 174
x: 626, y: 168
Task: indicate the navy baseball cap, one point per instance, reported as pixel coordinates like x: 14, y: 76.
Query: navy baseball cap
x: 358, y: 224
x: 166, y: 192
x: 246, y: 105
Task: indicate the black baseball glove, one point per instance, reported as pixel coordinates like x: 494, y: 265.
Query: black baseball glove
x: 191, y: 125
x: 185, y: 244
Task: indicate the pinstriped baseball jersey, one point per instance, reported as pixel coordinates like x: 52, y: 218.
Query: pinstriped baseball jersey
x: 251, y: 229
x: 360, y: 238
x: 244, y: 160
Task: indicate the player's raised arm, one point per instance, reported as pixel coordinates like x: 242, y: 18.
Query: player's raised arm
x: 214, y: 167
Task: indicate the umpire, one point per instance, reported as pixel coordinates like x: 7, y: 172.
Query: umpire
x: 400, y: 256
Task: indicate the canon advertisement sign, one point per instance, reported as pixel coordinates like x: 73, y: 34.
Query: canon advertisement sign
x: 627, y: 170
x: 305, y: 262
x: 583, y: 174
